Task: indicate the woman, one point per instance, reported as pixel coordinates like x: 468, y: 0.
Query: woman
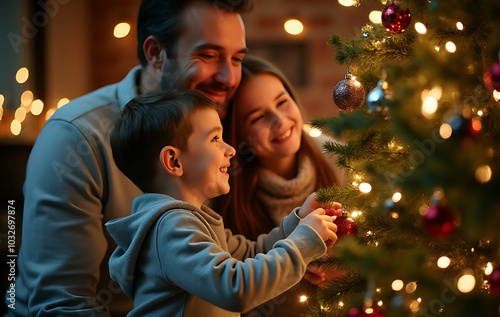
x: 276, y: 166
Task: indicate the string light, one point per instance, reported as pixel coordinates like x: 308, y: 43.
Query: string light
x: 397, y: 285
x: 380, y: 303
x: 496, y: 95
x: 375, y: 16
x: 303, y: 298
x: 488, y: 269
x: 347, y: 3
x: 365, y: 188
x: 293, y: 26
x: 445, y: 131
x: 396, y: 197
x: 420, y: 28
x: 62, y: 102
x: 37, y: 107
x: 49, y: 113
x: 411, y: 287
x: 22, y: 75
x: 20, y: 114
x: 437, y: 48
x: 443, y: 262
x: 483, y: 174
x: 121, y: 30
x: 15, y: 127
x: 451, y: 47
x: 414, y: 306
x: 460, y: 26
x: 466, y: 282
x: 27, y: 98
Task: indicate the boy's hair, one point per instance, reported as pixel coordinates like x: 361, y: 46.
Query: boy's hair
x: 150, y: 122
x: 162, y: 19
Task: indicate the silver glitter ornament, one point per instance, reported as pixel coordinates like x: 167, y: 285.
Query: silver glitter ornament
x: 349, y: 94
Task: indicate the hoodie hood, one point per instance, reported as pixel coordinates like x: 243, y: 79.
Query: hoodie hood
x: 130, y: 232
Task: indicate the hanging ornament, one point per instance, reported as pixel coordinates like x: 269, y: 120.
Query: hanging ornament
x: 349, y: 94
x: 394, y: 19
x: 495, y: 76
x: 366, y: 312
x: 439, y: 221
x: 345, y: 225
x: 375, y: 99
x: 494, y: 280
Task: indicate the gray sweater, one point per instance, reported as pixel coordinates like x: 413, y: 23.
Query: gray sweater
x: 174, y: 259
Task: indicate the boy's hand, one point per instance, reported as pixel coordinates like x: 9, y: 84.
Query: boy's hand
x: 332, y: 209
x: 322, y: 224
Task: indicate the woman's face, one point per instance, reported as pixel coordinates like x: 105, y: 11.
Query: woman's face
x: 267, y: 118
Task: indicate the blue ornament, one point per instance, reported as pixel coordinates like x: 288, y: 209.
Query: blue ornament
x: 375, y: 99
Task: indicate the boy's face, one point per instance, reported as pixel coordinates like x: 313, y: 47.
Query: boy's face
x: 206, y: 158
x: 208, y: 53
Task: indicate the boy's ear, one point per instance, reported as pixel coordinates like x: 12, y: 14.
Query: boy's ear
x: 169, y: 157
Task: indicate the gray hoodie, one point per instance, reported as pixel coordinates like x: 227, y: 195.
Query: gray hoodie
x: 174, y: 259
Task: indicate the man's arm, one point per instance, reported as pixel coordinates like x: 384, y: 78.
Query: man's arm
x: 63, y: 241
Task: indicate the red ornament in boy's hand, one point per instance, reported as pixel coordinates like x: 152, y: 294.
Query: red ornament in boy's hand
x: 345, y: 225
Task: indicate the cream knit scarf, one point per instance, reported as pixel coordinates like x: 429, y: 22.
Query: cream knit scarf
x: 278, y: 195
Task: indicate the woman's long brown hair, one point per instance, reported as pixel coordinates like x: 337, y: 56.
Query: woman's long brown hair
x: 240, y: 208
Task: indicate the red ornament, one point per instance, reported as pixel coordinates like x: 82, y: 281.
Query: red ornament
x: 495, y: 282
x: 367, y: 312
x: 495, y: 76
x: 394, y: 19
x: 345, y: 225
x: 439, y: 221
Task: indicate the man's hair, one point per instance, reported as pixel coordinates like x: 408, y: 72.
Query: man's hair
x: 150, y: 122
x: 162, y: 19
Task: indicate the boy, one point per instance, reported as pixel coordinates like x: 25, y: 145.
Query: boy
x: 174, y: 257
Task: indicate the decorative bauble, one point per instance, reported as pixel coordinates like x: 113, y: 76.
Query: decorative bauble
x: 439, y: 221
x: 495, y: 76
x: 375, y: 99
x: 367, y: 312
x: 345, y: 225
x: 494, y: 280
x: 394, y: 19
x: 349, y: 94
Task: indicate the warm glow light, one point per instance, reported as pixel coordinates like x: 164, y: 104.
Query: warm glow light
x: 480, y: 113
x: 62, y: 102
x: 443, y: 262
x: 303, y: 298
x: 483, y: 174
x: 460, y: 26
x: 411, y: 287
x: 347, y: 3
x: 22, y: 75
x: 445, y: 131
x: 355, y: 214
x: 394, y: 215
x: 466, y: 283
x: 369, y: 311
x: 451, y: 47
x: 121, y: 30
x: 488, y: 269
x: 397, y: 285
x: 375, y: 16
x: 437, y: 48
x: 396, y: 197
x: 315, y: 132
x: 49, y: 113
x: 341, y: 304
x: 15, y: 127
x: 293, y: 26
x: 429, y: 106
x: 420, y: 27
x: 414, y: 306
x: 20, y: 114
x: 2, y: 100
x: 37, y: 107
x: 380, y: 303
x: 365, y: 188
x: 27, y: 98
x: 496, y: 95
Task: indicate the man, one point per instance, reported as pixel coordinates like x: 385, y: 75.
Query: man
x: 72, y: 184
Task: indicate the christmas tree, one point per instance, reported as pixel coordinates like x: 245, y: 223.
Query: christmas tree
x: 421, y: 147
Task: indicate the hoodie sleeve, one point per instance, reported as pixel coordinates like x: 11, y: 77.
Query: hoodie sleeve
x: 191, y: 259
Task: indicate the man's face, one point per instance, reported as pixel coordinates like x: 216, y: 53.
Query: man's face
x: 208, y: 54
